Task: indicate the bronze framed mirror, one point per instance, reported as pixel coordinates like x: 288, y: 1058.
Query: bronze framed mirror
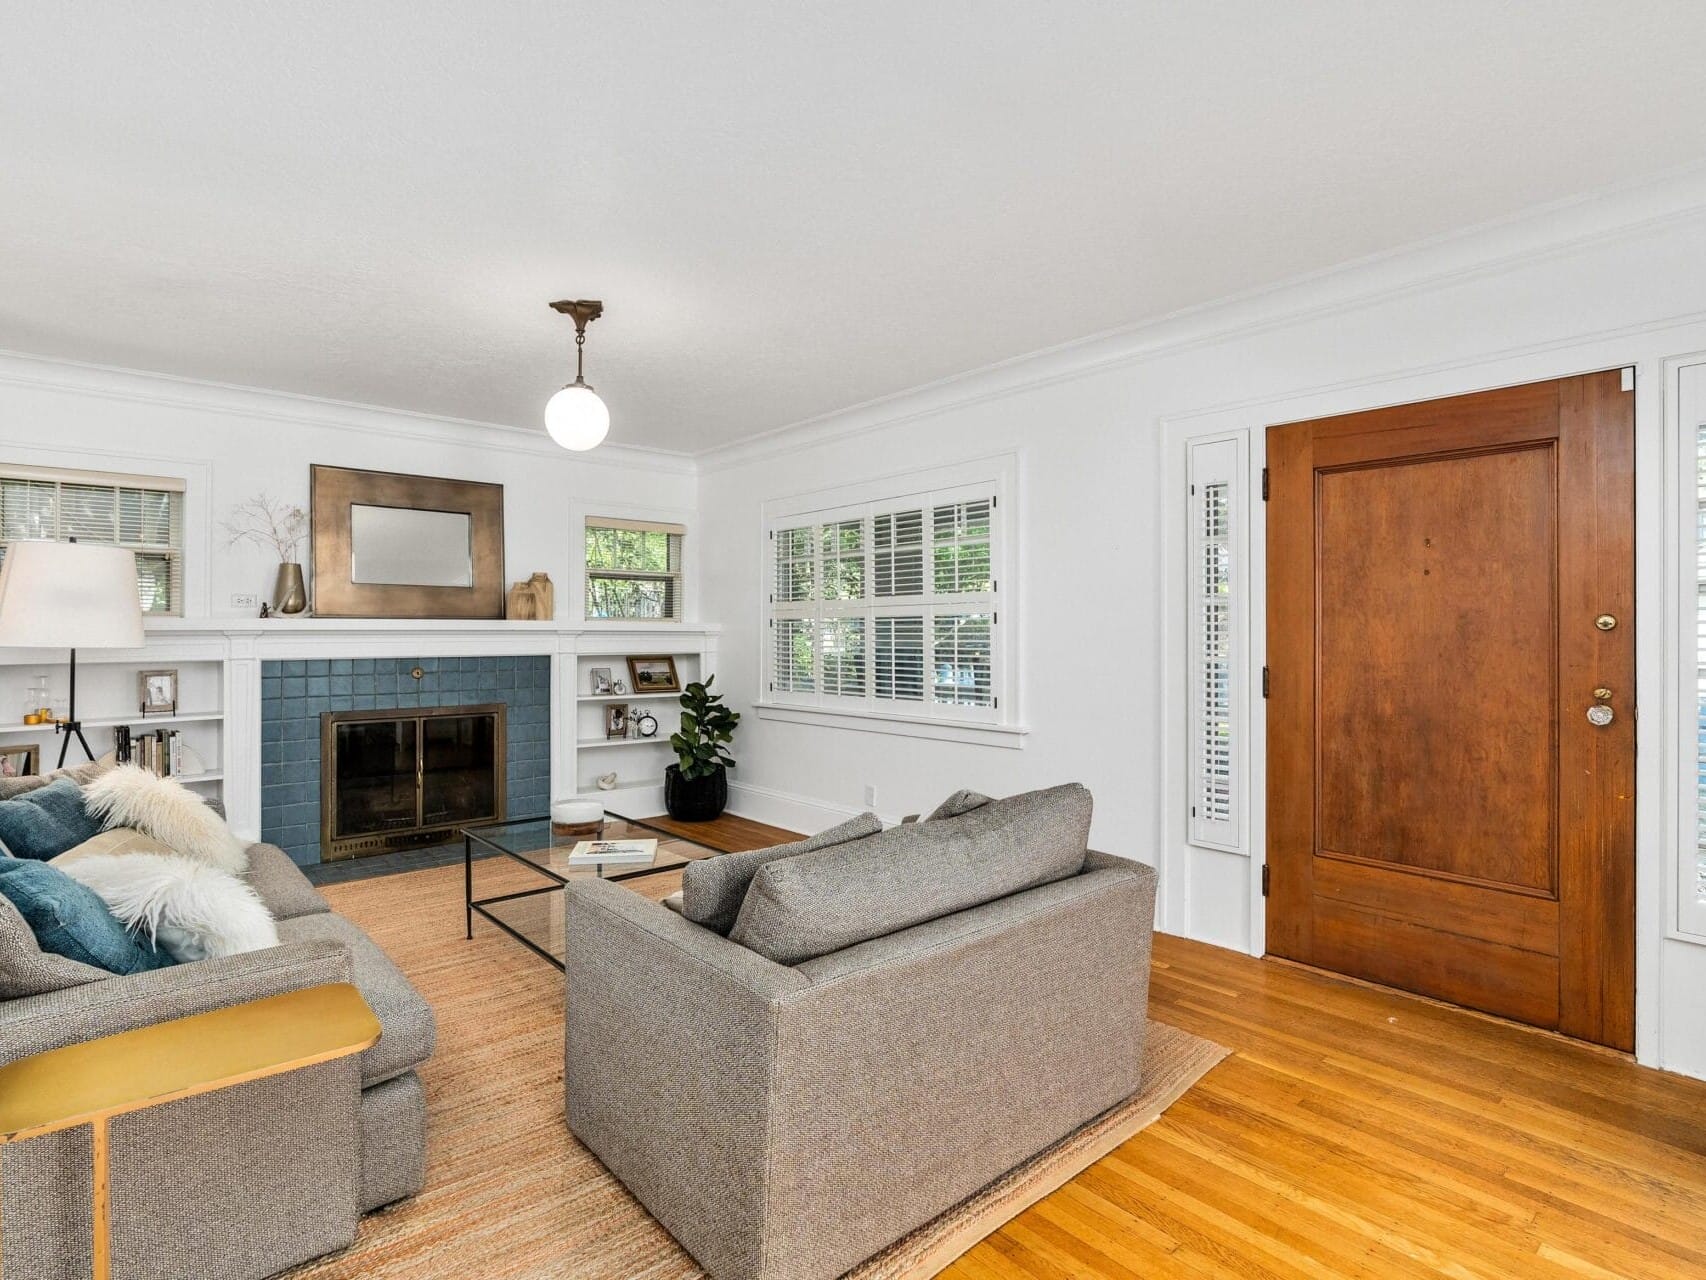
x: 399, y: 546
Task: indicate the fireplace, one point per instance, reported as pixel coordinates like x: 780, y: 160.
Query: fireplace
x: 402, y: 778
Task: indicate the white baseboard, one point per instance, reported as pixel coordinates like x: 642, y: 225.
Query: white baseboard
x: 785, y: 809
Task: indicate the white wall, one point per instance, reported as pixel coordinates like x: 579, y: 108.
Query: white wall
x: 231, y: 444
x: 1101, y: 429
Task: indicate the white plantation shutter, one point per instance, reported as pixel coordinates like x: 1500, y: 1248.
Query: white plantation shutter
x: 1692, y: 897
x: 144, y: 514
x: 890, y: 607
x: 1214, y: 580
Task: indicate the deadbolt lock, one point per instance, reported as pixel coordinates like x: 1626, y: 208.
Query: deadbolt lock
x: 1602, y: 693
x: 1605, y: 622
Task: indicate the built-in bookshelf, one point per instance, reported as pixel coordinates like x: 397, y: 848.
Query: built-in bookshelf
x: 638, y: 762
x: 109, y: 705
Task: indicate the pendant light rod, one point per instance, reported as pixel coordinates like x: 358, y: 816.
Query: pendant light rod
x: 583, y: 311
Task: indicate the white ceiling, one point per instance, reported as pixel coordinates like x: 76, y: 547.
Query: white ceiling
x: 787, y: 207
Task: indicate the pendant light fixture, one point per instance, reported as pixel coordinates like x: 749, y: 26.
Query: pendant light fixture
x: 575, y: 416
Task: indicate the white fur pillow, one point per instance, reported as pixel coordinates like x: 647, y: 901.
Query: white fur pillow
x: 166, y: 809
x: 188, y: 909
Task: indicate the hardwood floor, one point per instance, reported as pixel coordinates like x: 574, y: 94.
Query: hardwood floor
x: 1359, y: 1132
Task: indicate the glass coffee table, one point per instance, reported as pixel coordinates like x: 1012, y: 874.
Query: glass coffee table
x: 533, y: 916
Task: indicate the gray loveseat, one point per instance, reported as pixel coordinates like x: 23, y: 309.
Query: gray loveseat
x: 786, y: 1118
x: 233, y: 1185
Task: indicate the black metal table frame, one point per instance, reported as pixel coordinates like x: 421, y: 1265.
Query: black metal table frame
x: 472, y: 904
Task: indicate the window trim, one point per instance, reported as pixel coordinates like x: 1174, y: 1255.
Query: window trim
x: 581, y: 510
x: 68, y: 474
x: 671, y: 528
x: 999, y: 725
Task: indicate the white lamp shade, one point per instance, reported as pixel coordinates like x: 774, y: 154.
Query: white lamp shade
x: 577, y: 418
x: 69, y: 595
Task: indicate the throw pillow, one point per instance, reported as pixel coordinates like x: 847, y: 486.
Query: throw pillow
x: 27, y: 970
x: 112, y: 840
x: 70, y: 920
x: 81, y: 774
x: 712, y: 889
x: 46, y: 822
x: 810, y: 905
x: 165, y: 809
x: 190, y: 910
x: 958, y: 803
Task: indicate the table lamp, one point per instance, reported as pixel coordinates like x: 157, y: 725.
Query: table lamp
x: 69, y: 595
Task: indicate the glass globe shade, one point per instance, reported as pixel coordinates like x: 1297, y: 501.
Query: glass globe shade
x: 576, y: 418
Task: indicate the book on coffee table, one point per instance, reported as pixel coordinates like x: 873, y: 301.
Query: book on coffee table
x: 593, y: 853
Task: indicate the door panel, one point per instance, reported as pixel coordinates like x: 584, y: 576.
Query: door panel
x: 1416, y: 561
x: 1442, y: 815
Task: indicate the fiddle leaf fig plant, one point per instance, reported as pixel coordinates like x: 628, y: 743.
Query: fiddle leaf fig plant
x: 706, y: 725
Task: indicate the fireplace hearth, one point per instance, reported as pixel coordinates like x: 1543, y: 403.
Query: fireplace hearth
x: 402, y: 778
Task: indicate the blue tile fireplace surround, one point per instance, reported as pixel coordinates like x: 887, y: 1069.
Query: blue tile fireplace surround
x: 294, y: 693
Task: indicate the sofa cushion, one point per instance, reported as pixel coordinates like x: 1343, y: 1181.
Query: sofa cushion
x: 408, y: 1031
x: 69, y: 919
x: 281, y: 884
x: 712, y: 889
x: 44, y: 823
x: 815, y: 903
x: 27, y: 970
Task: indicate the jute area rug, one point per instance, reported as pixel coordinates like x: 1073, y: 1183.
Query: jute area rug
x: 511, y: 1195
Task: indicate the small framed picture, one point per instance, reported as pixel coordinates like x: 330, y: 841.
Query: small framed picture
x: 20, y: 762
x: 601, y: 684
x: 654, y: 674
x: 616, y: 720
x: 157, y: 691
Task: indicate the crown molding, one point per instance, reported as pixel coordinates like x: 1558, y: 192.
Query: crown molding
x: 135, y: 386
x: 1625, y: 211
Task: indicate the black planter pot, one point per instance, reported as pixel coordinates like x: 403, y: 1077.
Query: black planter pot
x: 695, y: 799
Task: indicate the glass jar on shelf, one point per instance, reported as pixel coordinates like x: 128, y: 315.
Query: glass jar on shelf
x: 38, y: 701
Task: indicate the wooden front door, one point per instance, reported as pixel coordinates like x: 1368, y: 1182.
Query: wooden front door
x: 1450, y: 590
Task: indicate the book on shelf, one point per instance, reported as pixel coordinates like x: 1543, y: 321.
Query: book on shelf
x: 595, y: 853
x: 163, y: 752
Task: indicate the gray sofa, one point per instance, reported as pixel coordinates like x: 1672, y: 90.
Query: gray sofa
x: 785, y: 1121
x: 234, y: 1185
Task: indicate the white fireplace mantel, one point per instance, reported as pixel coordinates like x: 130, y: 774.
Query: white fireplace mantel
x: 240, y: 645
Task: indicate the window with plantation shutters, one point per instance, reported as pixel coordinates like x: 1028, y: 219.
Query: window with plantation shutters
x: 633, y: 569
x: 144, y: 514
x: 890, y: 607
x: 1213, y: 580
x: 1693, y: 886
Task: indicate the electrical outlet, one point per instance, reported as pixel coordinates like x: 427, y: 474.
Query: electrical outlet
x: 870, y: 796
x: 245, y: 602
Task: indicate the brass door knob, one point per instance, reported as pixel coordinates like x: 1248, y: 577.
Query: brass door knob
x: 1605, y: 622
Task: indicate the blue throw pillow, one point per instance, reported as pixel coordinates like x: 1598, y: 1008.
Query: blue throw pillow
x: 44, y: 823
x: 69, y: 919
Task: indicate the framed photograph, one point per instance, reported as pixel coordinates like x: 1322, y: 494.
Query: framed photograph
x: 20, y: 762
x: 654, y: 674
x: 157, y: 691
x: 601, y: 684
x: 616, y: 720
